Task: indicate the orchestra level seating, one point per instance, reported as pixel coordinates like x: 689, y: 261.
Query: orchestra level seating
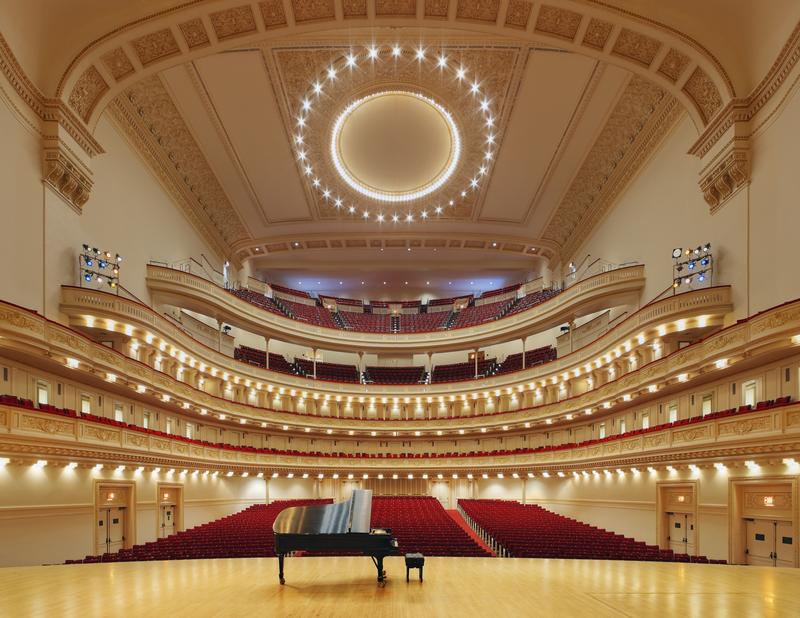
x: 530, y: 531
x: 419, y: 524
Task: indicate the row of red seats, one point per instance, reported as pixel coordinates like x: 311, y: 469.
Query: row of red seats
x: 415, y: 322
x: 530, y: 531
x: 246, y: 534
x: 457, y: 372
x: 329, y: 371
x: 513, y: 362
x: 764, y: 405
x: 419, y: 524
x: 366, y: 322
x: 478, y: 314
x: 531, y: 300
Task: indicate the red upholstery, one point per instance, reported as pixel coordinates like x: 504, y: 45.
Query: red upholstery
x: 245, y: 534
x: 329, y: 371
x: 535, y: 357
x: 478, y: 314
x: 529, y: 531
x: 463, y: 371
x: 418, y: 523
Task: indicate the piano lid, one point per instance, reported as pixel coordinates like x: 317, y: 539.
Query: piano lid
x: 353, y: 515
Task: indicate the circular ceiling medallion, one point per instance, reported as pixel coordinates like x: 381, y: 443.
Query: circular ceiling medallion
x: 395, y: 145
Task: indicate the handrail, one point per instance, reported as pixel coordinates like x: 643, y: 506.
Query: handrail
x: 621, y: 286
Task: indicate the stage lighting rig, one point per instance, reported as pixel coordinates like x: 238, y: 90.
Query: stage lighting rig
x: 692, y: 267
x: 99, y: 267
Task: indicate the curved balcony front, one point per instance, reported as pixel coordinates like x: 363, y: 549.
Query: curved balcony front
x: 622, y: 286
x: 774, y: 430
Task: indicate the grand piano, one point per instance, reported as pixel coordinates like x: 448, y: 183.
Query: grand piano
x: 343, y: 526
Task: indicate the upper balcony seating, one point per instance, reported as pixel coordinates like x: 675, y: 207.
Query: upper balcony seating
x: 463, y: 371
x: 284, y: 290
x: 259, y: 300
x: 422, y: 322
x: 369, y: 322
x: 513, y: 362
x: 366, y: 322
x: 394, y: 375
x: 277, y: 362
x: 11, y: 400
x: 478, y: 314
x: 329, y: 371
x: 505, y: 290
x: 531, y: 300
x: 418, y: 524
x: 530, y: 531
x: 313, y: 314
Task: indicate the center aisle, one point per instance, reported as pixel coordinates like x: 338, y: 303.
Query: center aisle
x: 456, y: 517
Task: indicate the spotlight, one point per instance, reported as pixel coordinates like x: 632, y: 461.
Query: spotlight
x: 701, y: 277
x: 691, y: 265
x: 89, y: 261
x: 87, y: 276
x: 102, y: 263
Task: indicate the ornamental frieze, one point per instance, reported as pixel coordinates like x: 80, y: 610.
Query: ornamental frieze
x: 46, y: 425
x: 104, y: 435
x: 745, y: 426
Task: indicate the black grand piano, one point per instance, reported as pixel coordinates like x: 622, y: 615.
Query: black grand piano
x: 344, y: 526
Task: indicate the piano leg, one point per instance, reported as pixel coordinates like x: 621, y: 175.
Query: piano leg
x: 280, y: 568
x: 378, y: 561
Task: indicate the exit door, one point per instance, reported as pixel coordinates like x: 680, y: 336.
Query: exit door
x: 769, y: 543
x: 681, y: 533
x: 111, y: 529
x: 167, y: 520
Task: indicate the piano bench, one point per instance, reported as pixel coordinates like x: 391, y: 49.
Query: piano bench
x: 414, y: 561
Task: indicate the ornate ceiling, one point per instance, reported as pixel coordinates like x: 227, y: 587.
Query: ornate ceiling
x: 579, y: 93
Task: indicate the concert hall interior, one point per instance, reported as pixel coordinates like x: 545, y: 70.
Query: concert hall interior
x: 448, y: 307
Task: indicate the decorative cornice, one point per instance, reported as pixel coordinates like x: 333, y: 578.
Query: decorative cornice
x: 645, y: 112
x: 185, y: 175
x: 48, y: 110
x: 64, y: 175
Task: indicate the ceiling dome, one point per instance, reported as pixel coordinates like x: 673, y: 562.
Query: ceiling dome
x: 395, y: 145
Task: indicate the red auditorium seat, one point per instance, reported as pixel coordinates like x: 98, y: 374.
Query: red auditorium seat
x: 419, y: 524
x: 530, y: 531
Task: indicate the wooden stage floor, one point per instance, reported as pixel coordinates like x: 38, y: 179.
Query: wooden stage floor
x: 345, y: 586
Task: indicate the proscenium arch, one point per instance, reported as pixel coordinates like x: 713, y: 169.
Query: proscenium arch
x: 92, y: 79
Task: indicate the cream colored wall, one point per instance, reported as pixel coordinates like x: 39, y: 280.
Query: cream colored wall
x: 663, y: 208
x: 128, y: 212
x: 22, y: 211
x: 754, y: 234
x: 47, y: 515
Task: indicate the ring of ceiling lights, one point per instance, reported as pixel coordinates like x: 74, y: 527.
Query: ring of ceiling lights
x: 327, y: 90
x: 395, y: 196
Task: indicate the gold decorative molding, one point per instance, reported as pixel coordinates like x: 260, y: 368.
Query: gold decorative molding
x: 155, y: 127
x: 478, y: 10
x: 724, y: 179
x: 66, y: 176
x: 724, y: 145
x: 296, y: 67
x: 643, y: 116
